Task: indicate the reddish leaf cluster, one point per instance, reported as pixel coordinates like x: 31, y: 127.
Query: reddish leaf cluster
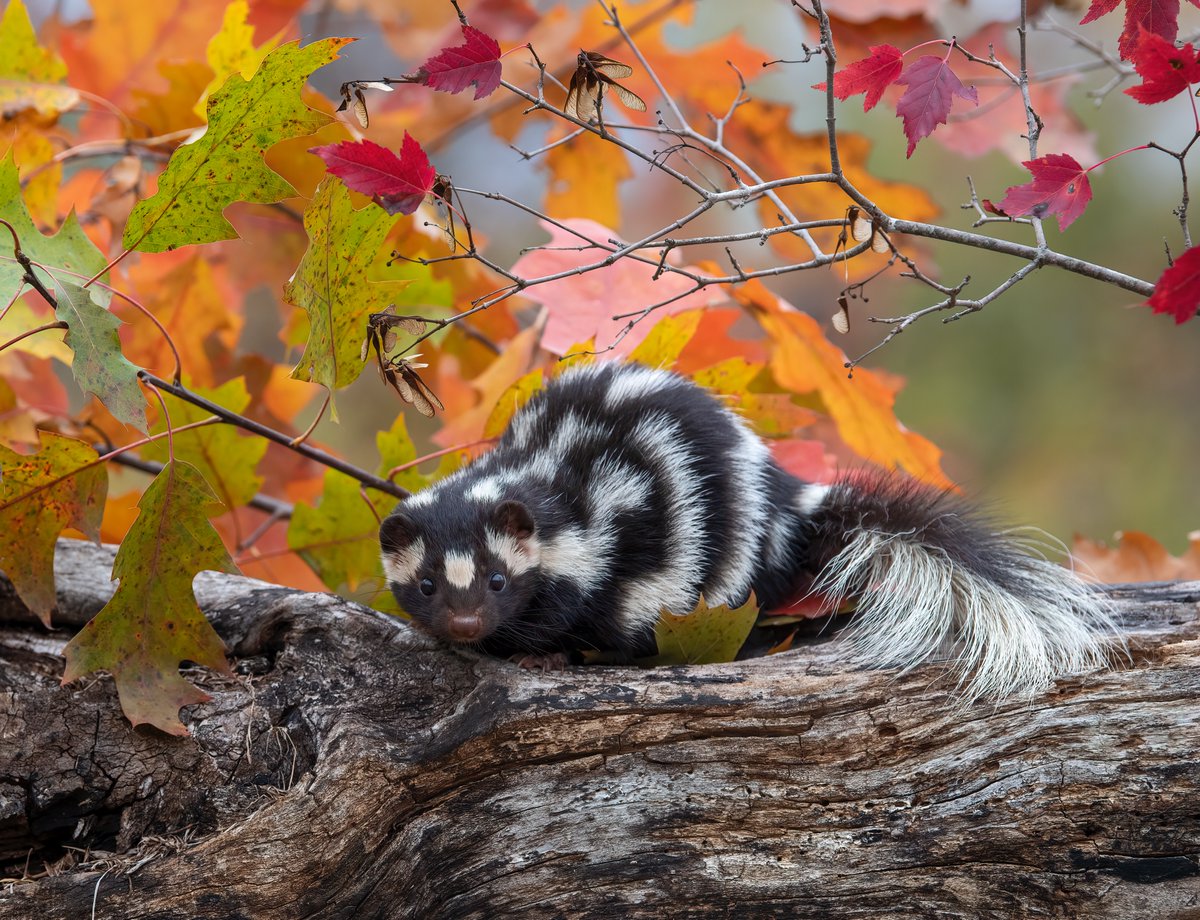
x: 1166, y: 71
x: 1160, y: 17
x: 1060, y: 186
x: 397, y: 183
x: 932, y: 86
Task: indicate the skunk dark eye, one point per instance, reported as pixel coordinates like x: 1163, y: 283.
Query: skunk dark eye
x: 427, y: 586
x: 496, y: 581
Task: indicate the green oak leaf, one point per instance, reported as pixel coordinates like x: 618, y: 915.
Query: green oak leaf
x: 68, y: 249
x: 153, y: 623
x: 332, y: 285
x: 226, y: 458
x: 41, y: 494
x: 226, y: 163
x: 98, y: 366
x: 339, y: 538
x: 706, y: 635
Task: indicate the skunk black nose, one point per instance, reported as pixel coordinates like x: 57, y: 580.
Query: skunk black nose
x: 464, y: 627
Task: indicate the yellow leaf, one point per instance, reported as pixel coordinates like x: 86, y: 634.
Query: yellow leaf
x: 232, y: 51
x: 585, y: 178
x: 668, y: 338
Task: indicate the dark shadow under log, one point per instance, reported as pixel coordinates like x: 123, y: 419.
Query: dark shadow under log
x: 355, y: 769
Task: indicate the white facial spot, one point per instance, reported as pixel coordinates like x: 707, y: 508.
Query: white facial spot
x: 486, y: 490
x: 460, y: 568
x: 402, y: 566
x: 421, y: 499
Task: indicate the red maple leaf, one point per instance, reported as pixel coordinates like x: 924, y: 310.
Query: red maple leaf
x: 1158, y: 16
x: 1166, y: 71
x: 398, y: 183
x: 1178, y: 289
x: 476, y: 61
x: 932, y: 86
x: 872, y: 75
x: 1060, y: 186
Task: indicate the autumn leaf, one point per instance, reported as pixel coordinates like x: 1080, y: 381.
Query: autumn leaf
x: 1136, y: 557
x: 226, y: 163
x: 28, y: 71
x: 476, y: 61
x: 706, y: 635
x: 581, y: 307
x: 99, y: 366
x: 1000, y: 121
x: 1160, y: 17
x: 807, y: 459
x: 68, y: 249
x: 872, y: 75
x: 804, y: 361
x: 225, y: 458
x: 232, y: 51
x: 1166, y: 71
x: 152, y: 624
x: 398, y: 183
x: 1177, y: 292
x: 194, y: 307
x: 585, y: 180
x: 144, y: 36
x: 332, y: 284
x: 1060, y: 186
x: 41, y: 494
x: 932, y: 86
x: 667, y: 339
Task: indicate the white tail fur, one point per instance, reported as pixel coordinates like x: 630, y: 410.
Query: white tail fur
x: 915, y: 604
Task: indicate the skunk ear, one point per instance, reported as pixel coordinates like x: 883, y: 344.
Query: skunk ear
x: 396, y: 532
x: 513, y: 518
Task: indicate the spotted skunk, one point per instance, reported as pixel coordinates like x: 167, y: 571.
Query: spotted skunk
x: 620, y: 491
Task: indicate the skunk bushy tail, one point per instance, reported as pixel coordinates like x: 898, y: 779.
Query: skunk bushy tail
x: 932, y: 578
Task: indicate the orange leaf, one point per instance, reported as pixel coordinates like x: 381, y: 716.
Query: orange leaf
x: 804, y: 361
x: 1136, y: 557
x: 585, y: 178
x: 121, y: 49
x: 200, y: 318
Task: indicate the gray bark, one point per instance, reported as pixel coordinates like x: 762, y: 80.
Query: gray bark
x: 355, y: 769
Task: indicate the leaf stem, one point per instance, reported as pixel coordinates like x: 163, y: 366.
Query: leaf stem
x: 24, y: 335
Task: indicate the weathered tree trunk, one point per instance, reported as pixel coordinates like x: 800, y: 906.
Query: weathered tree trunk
x: 354, y: 769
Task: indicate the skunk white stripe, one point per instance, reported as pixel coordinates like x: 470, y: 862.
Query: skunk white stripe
x: 810, y: 498
x: 913, y: 600
x: 676, y: 585
x: 485, y: 490
x: 746, y: 459
x: 518, y: 556
x: 460, y: 568
x: 401, y: 566
x: 420, y: 499
x: 584, y: 556
x: 633, y: 382
x: 524, y: 422
x: 578, y: 555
